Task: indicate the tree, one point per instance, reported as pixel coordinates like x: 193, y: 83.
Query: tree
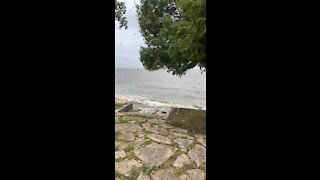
x: 175, y: 34
x: 120, y: 10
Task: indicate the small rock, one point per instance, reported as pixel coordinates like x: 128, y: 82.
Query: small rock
x: 168, y: 126
x: 198, y: 155
x: 126, y: 136
x: 184, y: 177
x: 157, y: 130
x: 163, y: 174
x: 156, y: 121
x: 136, y: 143
x: 180, y: 130
x: 126, y: 108
x: 120, y: 154
x: 183, y: 136
x: 181, y: 161
x: 202, y: 141
x: 183, y: 150
x: 127, y: 127
x: 124, y: 167
x: 155, y: 154
x: 196, y: 174
x: 183, y: 143
x: 159, y: 138
x: 143, y: 177
x: 198, y: 136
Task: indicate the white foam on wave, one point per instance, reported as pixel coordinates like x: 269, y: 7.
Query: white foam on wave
x: 154, y: 103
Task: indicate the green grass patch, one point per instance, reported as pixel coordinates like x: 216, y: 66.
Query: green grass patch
x: 184, y: 169
x: 140, y: 122
x: 145, y: 143
x: 119, y: 159
x: 139, y: 116
x: 129, y: 148
x: 147, y: 168
x: 190, y: 119
x: 123, y: 120
x: 133, y: 174
x: 117, y: 107
x: 117, y: 134
x: 117, y: 174
x: 131, y: 155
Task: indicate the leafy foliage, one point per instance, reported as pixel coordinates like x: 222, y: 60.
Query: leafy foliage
x: 120, y: 10
x: 175, y: 34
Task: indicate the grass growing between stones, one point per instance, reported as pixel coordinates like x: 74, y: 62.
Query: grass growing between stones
x: 169, y: 163
x: 117, y: 107
x: 186, y: 167
x: 119, y: 159
x: 139, y: 116
x: 147, y: 168
x: 145, y: 143
x: 133, y: 174
x: 117, y: 174
x: 128, y: 148
x: 117, y: 134
x: 140, y: 122
x: 122, y: 120
x: 203, y: 167
x: 131, y: 155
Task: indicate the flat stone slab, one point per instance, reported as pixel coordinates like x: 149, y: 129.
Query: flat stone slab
x: 138, y: 142
x: 120, y: 154
x: 158, y: 130
x: 202, y: 141
x: 198, y: 155
x: 157, y: 121
x: 155, y: 130
x: 143, y: 177
x: 155, y: 154
x: 183, y: 135
x: 127, y: 127
x: 127, y: 136
x: 179, y: 130
x: 181, y: 161
x: 159, y: 138
x: 119, y: 144
x: 124, y: 167
x: 193, y: 174
x: 183, y: 143
x: 133, y: 118
x: 163, y: 174
x: 196, y: 174
x: 167, y: 126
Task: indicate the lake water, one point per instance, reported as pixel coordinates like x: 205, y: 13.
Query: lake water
x: 159, y: 88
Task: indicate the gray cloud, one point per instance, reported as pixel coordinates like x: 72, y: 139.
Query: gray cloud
x: 128, y: 41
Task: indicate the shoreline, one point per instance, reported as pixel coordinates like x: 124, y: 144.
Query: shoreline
x: 186, y: 118
x: 153, y: 104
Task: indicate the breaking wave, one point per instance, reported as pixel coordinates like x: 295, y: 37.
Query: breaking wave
x: 154, y: 103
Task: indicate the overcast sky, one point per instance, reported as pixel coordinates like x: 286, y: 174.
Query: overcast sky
x: 128, y: 41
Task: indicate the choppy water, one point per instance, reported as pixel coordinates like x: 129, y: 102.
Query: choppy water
x: 159, y: 88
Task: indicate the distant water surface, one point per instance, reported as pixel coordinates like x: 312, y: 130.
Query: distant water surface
x: 159, y: 88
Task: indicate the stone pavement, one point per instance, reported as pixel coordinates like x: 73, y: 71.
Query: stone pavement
x: 147, y: 148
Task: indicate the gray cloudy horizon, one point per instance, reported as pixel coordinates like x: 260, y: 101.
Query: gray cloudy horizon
x: 128, y: 41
